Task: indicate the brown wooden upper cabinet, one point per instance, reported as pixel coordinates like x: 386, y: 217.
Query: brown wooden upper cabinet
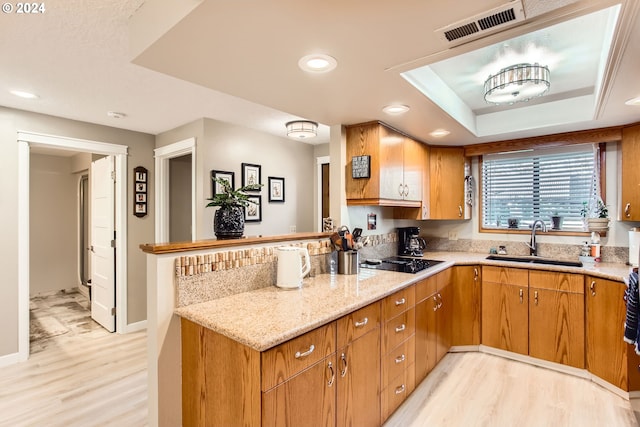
x: 396, y: 166
x: 446, y: 181
x: 630, y: 208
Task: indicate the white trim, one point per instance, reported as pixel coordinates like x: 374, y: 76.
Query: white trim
x: 162, y: 156
x: 11, y: 359
x: 135, y: 327
x: 25, y: 141
x: 319, y: 162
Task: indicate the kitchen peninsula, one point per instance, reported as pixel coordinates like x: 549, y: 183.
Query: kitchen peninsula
x: 257, y: 333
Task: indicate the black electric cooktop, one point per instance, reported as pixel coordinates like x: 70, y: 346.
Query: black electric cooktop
x: 400, y: 264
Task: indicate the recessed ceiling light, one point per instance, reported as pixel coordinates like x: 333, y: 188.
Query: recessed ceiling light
x: 396, y: 109
x: 439, y: 133
x: 317, y: 63
x: 633, y: 101
x: 24, y: 94
x: 116, y: 115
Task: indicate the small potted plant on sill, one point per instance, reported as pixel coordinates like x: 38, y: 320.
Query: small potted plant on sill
x: 228, y: 221
x: 597, y: 217
x: 556, y: 221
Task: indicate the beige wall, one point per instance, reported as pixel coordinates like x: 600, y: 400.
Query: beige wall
x: 140, y: 230
x: 53, y: 224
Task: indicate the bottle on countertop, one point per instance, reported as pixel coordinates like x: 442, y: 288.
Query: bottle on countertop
x: 586, y: 250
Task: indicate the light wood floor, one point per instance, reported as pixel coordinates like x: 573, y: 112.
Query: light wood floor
x: 84, y: 377
x: 88, y: 377
x: 477, y: 389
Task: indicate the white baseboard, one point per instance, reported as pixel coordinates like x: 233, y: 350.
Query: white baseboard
x: 11, y: 359
x: 464, y: 348
x: 135, y: 327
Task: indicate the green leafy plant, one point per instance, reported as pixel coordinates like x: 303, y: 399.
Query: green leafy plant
x: 229, y: 197
x: 598, y: 211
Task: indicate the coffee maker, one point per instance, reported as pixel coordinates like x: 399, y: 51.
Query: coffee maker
x: 409, y: 242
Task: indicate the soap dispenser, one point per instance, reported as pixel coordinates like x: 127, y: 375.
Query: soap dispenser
x: 586, y: 250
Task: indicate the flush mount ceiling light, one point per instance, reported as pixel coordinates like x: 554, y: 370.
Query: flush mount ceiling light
x: 633, y: 101
x: 395, y: 109
x: 302, y: 129
x: 439, y: 133
x: 317, y: 63
x: 116, y: 115
x: 517, y: 83
x: 24, y: 94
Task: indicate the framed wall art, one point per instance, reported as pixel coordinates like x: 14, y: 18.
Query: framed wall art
x: 140, y: 191
x: 276, y: 189
x: 251, y: 174
x: 253, y: 212
x: 225, y: 175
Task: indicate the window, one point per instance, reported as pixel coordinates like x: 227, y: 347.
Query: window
x: 520, y: 187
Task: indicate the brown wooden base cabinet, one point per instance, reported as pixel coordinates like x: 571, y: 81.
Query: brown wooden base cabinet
x: 467, y: 305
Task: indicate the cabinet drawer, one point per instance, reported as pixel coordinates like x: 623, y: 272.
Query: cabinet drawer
x: 512, y: 276
x: 358, y: 323
x: 397, y: 330
x: 397, y: 303
x: 398, y: 360
x: 291, y: 357
x: 566, y: 282
x: 426, y: 288
x: 397, y: 391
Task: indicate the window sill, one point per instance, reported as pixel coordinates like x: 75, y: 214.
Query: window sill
x: 549, y: 232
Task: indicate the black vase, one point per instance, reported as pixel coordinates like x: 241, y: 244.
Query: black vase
x: 228, y: 223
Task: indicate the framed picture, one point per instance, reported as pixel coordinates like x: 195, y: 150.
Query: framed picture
x: 276, y: 189
x: 141, y: 208
x: 141, y: 197
x: 253, y: 212
x: 251, y: 174
x: 141, y: 176
x: 141, y: 187
x: 227, y: 176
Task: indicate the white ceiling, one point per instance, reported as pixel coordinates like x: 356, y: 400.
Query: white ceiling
x: 168, y: 62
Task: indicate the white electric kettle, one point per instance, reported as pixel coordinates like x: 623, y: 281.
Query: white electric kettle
x: 291, y: 268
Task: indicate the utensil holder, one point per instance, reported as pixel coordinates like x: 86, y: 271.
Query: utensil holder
x: 348, y: 262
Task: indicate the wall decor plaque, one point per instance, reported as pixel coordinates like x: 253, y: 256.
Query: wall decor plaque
x: 360, y: 166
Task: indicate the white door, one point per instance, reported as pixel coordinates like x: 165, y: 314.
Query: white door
x: 103, y: 289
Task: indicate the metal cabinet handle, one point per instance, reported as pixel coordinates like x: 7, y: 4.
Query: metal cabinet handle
x: 521, y: 296
x: 435, y: 303
x: 401, y: 301
x: 400, y: 358
x: 298, y: 355
x: 400, y: 389
x: 406, y: 190
x: 460, y: 211
x: 361, y: 323
x: 401, y: 328
x: 592, y: 288
x: 343, y: 370
x: 400, y: 189
x: 439, y: 300
x: 535, y: 297
x: 627, y: 210
x: 332, y: 378
x: 476, y: 274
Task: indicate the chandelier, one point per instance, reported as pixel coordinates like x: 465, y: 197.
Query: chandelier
x: 517, y: 83
x: 301, y: 129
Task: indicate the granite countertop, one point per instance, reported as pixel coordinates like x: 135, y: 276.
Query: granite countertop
x: 269, y: 316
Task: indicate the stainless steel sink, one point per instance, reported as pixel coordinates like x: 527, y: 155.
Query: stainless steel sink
x: 535, y: 260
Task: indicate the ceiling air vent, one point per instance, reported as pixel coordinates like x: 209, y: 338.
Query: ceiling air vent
x: 483, y: 24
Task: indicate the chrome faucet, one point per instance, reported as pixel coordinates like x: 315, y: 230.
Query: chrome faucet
x: 533, y: 247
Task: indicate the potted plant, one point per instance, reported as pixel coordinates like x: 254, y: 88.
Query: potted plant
x: 597, y: 217
x: 228, y: 221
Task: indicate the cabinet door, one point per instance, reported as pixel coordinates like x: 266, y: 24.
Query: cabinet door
x: 413, y: 168
x: 358, y: 389
x: 606, y: 313
x: 426, y: 336
x: 556, y: 326
x: 306, y: 399
x: 630, y: 209
x: 505, y: 317
x: 391, y: 164
x: 466, y: 305
x: 444, y: 317
x: 446, y: 178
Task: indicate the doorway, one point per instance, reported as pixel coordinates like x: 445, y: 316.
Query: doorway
x: 323, y: 190
x: 26, y: 141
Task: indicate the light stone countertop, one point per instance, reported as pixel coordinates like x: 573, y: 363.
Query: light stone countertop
x: 269, y: 316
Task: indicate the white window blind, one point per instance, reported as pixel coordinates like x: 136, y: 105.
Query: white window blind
x: 537, y: 184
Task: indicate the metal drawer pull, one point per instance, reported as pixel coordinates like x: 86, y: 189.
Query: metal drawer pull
x: 401, y: 328
x: 401, y: 301
x: 435, y: 304
x: 521, y: 296
x: 361, y: 323
x: 333, y: 374
x: 535, y: 297
x: 343, y: 370
x: 306, y: 353
x: 400, y: 359
x: 592, y: 288
x: 400, y: 389
x: 460, y: 211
